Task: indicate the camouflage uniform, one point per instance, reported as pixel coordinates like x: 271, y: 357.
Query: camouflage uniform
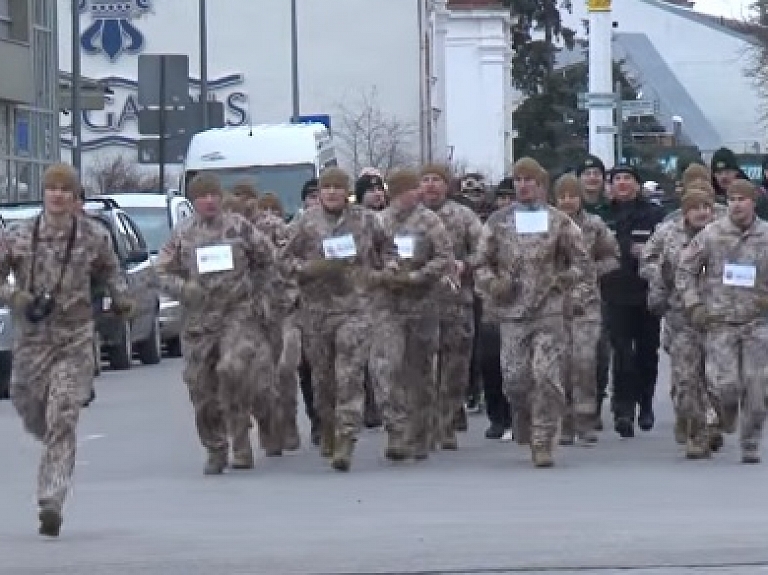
x: 457, y: 322
x: 523, y: 276
x: 336, y: 314
x: 584, y: 332
x: 405, y: 343
x: 53, y: 359
x: 723, y: 280
x: 225, y: 333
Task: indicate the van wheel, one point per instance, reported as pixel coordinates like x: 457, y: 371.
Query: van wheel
x: 121, y: 354
x: 151, y: 349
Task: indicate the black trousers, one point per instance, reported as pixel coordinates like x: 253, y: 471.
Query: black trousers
x: 489, y: 365
x: 603, y: 356
x: 475, y: 372
x: 635, y: 338
x: 305, y: 384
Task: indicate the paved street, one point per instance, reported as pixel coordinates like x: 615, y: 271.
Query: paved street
x: 141, y: 504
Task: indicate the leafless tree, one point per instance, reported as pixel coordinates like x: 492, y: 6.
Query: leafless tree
x: 369, y: 137
x: 755, y: 55
x: 119, y: 174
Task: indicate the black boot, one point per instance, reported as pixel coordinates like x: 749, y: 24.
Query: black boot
x: 645, y: 417
x: 495, y: 431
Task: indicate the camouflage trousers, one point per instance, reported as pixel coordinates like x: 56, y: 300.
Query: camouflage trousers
x: 454, y: 356
x: 533, y: 355
x: 737, y: 375
x: 580, y: 372
x: 402, y: 371
x: 229, y: 374
x: 686, y: 354
x: 337, y: 346
x: 49, y: 379
x: 288, y: 367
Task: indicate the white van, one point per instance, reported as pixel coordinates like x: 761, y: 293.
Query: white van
x: 277, y: 158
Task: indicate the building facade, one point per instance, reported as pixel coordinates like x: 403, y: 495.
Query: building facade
x: 29, y: 112
x: 361, y: 63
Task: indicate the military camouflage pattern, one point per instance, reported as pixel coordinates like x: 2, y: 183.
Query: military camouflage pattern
x: 599, y: 242
x: 583, y: 335
x: 53, y: 359
x: 688, y: 385
x: 719, y: 211
x: 225, y: 333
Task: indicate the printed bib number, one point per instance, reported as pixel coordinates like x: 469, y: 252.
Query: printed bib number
x: 214, y: 259
x: 405, y: 246
x: 532, y: 222
x: 340, y: 247
x: 739, y: 275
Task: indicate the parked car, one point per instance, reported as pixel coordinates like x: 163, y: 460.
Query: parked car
x: 157, y: 214
x: 119, y: 339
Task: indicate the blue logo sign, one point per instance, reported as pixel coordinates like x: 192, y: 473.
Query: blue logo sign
x: 112, y: 31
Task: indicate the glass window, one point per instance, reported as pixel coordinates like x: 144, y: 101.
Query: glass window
x: 135, y: 242
x: 154, y: 225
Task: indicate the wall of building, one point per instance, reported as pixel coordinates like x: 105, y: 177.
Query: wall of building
x: 349, y: 51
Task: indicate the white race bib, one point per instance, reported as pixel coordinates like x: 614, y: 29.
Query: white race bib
x: 532, y: 222
x: 214, y: 259
x: 340, y: 247
x: 405, y: 246
x: 739, y: 275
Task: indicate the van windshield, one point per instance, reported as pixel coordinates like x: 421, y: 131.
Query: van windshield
x: 283, y: 181
x: 153, y: 223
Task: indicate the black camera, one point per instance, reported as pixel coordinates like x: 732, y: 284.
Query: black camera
x: 40, y: 307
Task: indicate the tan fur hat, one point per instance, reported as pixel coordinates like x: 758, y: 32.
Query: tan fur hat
x: 334, y: 178
x: 402, y: 181
x: 699, y: 184
x: 568, y: 185
x: 270, y: 202
x: 245, y: 189
x: 694, y: 198
x: 204, y: 184
x: 528, y: 168
x: 742, y: 188
x: 61, y: 176
x: 439, y: 170
x: 696, y: 172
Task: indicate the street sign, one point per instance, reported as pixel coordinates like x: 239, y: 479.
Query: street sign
x: 168, y: 73
x: 176, y: 122
x: 323, y: 119
x: 638, y: 108
x: 595, y: 100
x: 195, y: 116
x: 606, y: 129
x: 174, y: 150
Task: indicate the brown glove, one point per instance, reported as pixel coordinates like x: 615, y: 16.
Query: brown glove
x: 125, y: 308
x: 501, y: 289
x: 317, y: 269
x: 192, y: 293
x: 20, y: 299
x: 698, y: 316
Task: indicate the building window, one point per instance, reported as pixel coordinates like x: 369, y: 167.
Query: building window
x: 5, y: 19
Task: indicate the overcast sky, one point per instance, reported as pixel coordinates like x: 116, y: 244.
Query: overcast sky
x: 729, y: 8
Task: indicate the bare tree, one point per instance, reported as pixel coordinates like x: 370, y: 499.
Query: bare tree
x: 756, y: 52
x: 119, y: 174
x: 369, y: 137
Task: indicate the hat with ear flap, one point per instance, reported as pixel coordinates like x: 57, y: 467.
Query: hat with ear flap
x: 402, y: 181
x: 61, y: 176
x: 204, y: 184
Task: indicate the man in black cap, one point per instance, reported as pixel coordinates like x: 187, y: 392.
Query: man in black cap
x: 634, y: 330
x: 370, y: 192
x: 591, y: 172
x: 726, y: 170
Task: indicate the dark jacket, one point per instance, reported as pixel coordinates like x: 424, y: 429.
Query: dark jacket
x: 632, y: 222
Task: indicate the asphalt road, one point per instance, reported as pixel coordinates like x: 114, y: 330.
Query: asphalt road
x: 141, y: 504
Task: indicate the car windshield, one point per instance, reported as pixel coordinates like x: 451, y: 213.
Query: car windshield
x: 153, y: 224
x: 283, y: 181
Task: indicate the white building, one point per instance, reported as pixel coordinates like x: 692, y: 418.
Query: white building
x: 350, y: 52
x: 478, y: 88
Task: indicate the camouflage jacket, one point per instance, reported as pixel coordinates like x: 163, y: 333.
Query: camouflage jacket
x: 230, y: 259
x: 464, y: 228
x: 424, y: 249
x: 315, y: 235
x: 92, y: 261
x: 726, y: 269
x: 540, y: 265
x: 599, y: 242
x: 719, y: 210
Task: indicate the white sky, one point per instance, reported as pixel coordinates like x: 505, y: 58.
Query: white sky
x: 729, y: 8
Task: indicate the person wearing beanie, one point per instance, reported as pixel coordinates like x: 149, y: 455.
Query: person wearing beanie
x: 683, y: 342
x: 455, y: 300
x: 334, y: 253
x: 695, y: 182
x: 591, y: 171
x: 722, y: 279
x: 528, y: 252
x: 725, y: 170
x: 584, y: 330
x: 634, y: 329
x: 370, y: 192
x: 54, y: 257
x: 220, y: 268
x: 406, y: 337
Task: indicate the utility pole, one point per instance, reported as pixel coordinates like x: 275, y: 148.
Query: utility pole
x: 204, y: 63
x: 77, y: 157
x: 601, y: 140
x: 296, y: 108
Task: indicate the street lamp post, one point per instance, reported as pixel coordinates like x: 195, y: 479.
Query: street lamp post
x: 76, y: 104
x: 296, y: 108
x: 204, y: 64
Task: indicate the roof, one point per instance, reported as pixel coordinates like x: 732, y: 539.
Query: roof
x: 272, y: 144
x: 725, y: 25
x: 139, y: 200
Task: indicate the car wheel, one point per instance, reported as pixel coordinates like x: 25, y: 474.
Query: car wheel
x: 5, y: 374
x: 121, y: 354
x: 174, y: 347
x: 151, y: 349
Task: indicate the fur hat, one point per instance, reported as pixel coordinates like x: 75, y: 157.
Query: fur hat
x: 61, y: 176
x: 742, y: 188
x: 203, y: 184
x: 695, y: 172
x: 270, y: 202
x: 528, y: 168
x: 245, y: 189
x: 696, y: 197
x: 568, y: 184
x: 440, y: 170
x: 402, y: 181
x: 334, y: 178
